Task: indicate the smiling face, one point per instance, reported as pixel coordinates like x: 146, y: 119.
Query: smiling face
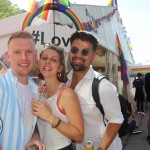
x: 78, y: 61
x: 22, y: 55
x: 49, y: 63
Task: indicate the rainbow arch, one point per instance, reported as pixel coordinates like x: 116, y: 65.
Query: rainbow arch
x: 50, y: 6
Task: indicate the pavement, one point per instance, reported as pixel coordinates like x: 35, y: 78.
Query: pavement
x: 138, y: 141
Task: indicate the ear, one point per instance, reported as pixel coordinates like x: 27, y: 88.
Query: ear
x: 93, y: 56
x: 7, y: 56
x: 60, y: 68
x: 36, y: 54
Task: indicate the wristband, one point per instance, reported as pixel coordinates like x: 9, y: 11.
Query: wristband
x: 58, y: 123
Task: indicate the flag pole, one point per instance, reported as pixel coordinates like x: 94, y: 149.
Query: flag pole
x: 54, y: 18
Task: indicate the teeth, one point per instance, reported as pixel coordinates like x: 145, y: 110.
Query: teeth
x: 47, y: 68
x: 78, y: 61
x: 24, y: 64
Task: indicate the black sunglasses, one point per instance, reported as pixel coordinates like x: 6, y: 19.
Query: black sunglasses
x: 85, y: 51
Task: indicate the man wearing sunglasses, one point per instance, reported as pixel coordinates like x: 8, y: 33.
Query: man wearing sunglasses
x: 82, y: 54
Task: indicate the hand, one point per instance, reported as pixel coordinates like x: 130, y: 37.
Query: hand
x: 41, y: 109
x: 3, y: 70
x: 35, y: 143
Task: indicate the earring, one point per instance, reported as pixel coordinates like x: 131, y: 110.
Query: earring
x: 59, y: 74
x: 37, y: 71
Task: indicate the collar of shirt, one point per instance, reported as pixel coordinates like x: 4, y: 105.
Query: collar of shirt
x: 13, y: 78
x: 89, y: 75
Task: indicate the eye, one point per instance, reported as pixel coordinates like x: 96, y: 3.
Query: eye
x: 30, y: 51
x: 16, y: 52
x: 44, y: 58
x: 53, y: 59
x: 74, y: 50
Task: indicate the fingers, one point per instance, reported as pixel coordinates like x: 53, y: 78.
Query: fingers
x: 42, y: 147
x: 40, y: 108
x: 37, y: 145
x: 36, y: 106
x: 34, y: 100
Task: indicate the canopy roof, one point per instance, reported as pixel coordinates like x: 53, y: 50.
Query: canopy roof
x: 143, y: 67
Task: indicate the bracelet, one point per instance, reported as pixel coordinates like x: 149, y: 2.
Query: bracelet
x: 58, y: 123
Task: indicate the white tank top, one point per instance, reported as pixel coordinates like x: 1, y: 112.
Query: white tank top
x: 51, y: 137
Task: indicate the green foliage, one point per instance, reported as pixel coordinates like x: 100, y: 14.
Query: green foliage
x: 7, y: 9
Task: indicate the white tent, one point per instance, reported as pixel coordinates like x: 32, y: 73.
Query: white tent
x: 103, y: 21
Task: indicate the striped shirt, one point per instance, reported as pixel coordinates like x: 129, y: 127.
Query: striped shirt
x: 13, y: 134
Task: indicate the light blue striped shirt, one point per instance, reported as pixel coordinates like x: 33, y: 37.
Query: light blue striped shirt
x: 12, y: 135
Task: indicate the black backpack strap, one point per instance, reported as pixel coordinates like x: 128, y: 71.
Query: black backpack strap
x: 95, y: 94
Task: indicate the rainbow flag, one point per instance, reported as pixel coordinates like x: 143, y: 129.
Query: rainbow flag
x: 129, y: 44
x: 65, y: 2
x: 62, y: 5
x: 112, y: 3
x: 44, y: 14
x: 31, y: 5
x: 124, y: 76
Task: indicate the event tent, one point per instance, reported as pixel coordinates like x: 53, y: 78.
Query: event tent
x: 103, y: 21
x: 143, y: 67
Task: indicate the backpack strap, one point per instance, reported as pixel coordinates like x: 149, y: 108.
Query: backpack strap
x: 95, y: 93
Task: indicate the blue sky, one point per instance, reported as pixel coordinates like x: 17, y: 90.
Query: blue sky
x: 136, y: 19
x: 135, y: 16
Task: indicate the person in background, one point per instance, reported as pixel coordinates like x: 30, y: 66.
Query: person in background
x: 147, y: 90
x: 17, y: 123
x: 148, y: 127
x: 60, y: 117
x: 147, y: 86
x: 132, y: 124
x: 82, y: 54
x: 139, y: 93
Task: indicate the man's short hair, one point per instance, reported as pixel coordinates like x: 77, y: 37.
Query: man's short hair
x: 21, y: 34
x: 139, y: 74
x: 85, y: 36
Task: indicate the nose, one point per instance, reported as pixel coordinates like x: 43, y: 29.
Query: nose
x: 79, y: 54
x: 48, y: 61
x: 24, y: 55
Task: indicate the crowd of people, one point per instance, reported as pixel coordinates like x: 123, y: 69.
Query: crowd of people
x: 67, y: 117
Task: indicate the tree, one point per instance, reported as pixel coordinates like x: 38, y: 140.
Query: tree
x: 7, y: 9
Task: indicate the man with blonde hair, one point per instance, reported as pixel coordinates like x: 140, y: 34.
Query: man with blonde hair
x: 17, y: 89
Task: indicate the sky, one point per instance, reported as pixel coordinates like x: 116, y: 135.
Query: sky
x: 135, y: 17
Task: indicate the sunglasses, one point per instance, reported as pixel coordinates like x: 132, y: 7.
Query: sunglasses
x: 85, y: 51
